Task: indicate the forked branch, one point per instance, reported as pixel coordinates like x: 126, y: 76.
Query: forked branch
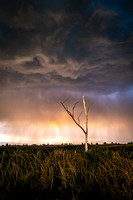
x: 79, y: 117
x: 78, y: 120
x: 74, y: 107
x: 72, y: 115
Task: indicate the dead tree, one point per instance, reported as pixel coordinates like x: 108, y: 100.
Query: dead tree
x: 77, y: 122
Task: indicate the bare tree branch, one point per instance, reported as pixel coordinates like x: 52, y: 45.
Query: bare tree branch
x: 79, y: 117
x: 72, y: 116
x: 84, y: 106
x: 77, y: 122
x: 74, y: 107
x: 66, y: 99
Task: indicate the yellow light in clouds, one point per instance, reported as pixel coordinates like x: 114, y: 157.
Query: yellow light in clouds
x: 55, y: 128
x: 3, y: 138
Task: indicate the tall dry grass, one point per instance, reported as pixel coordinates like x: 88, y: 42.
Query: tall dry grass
x: 101, y: 173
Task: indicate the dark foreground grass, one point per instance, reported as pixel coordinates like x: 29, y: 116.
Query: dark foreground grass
x: 65, y: 174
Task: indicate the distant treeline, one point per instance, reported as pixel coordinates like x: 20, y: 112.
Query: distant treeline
x: 62, y: 144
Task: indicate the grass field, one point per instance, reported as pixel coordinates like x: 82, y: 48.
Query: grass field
x: 66, y: 172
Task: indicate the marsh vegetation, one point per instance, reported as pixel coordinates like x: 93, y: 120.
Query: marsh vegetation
x: 33, y: 172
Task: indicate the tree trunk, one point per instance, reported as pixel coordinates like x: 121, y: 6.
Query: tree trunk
x: 86, y: 143
x: 86, y: 123
x: 78, y: 122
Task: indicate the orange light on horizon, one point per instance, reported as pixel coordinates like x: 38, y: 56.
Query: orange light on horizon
x: 65, y: 131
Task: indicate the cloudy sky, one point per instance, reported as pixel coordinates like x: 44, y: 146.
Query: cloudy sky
x: 51, y: 50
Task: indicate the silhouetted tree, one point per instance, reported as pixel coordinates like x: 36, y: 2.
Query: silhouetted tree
x: 77, y: 122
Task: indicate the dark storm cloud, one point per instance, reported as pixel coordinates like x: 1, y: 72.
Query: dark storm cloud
x: 51, y: 50
x: 33, y: 64
x: 77, y: 44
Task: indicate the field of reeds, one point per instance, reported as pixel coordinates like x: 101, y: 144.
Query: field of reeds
x: 61, y: 173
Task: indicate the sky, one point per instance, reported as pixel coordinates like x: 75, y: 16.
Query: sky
x: 52, y: 50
